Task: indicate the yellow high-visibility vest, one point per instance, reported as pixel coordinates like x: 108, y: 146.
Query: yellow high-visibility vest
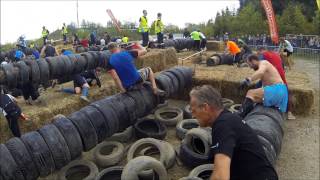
x: 64, y: 30
x: 159, y: 26
x: 195, y: 35
x: 44, y: 33
x: 125, y: 39
x: 143, y: 26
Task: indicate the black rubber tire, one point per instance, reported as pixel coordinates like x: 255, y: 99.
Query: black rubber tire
x: 164, y: 83
x: 22, y: 158
x: 174, y: 82
x: 267, y: 128
x: 226, y: 59
x: 105, y: 56
x: 40, y: 152
x: 180, y: 77
x: 79, y: 63
x: 69, y: 65
x: 109, y: 115
x: 124, y: 136
x: 44, y: 72
x: 70, y: 134
x: 57, y: 145
x: 111, y: 173
x: 78, y: 169
x: 139, y: 102
x: 136, y: 165
x: 175, y: 115
x: 34, y: 71
x: 187, y: 114
x: 184, y: 126
x: 268, y: 149
x: 115, y: 102
x: 191, y: 159
x: 196, y: 136
x: 86, y: 130
x: 213, y: 61
x: 130, y: 106
x: 96, y: 58
x: 108, y: 153
x: 145, y: 127
x: 9, y: 169
x: 97, y: 120
x: 90, y: 60
x: 23, y: 77
x: 150, y: 100
x: 62, y: 69
x: 53, y: 67
x: 203, y: 171
x: 187, y: 74
x: 11, y: 78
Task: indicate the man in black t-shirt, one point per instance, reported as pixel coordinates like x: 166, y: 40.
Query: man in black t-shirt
x: 236, y: 150
x: 80, y: 85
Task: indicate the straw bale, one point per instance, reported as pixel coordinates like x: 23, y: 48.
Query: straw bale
x: 215, y: 45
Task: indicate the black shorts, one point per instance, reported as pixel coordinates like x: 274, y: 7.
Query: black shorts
x: 288, y: 52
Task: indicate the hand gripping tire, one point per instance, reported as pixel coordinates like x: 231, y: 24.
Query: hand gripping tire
x: 108, y: 153
x: 9, y: 169
x: 136, y: 165
x: 170, y: 116
x: 40, y: 152
x: 57, y: 145
x: 78, y: 169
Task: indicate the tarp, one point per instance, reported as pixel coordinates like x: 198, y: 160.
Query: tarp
x: 267, y: 5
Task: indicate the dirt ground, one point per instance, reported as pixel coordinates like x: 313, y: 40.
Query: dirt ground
x: 299, y: 158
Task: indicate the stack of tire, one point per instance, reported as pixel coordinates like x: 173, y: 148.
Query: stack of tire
x: 219, y: 59
x: 40, y: 152
x: 175, y: 80
x: 268, y: 125
x: 58, y: 67
x: 179, y: 44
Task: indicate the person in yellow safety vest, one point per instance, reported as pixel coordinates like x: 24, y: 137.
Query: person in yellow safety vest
x: 195, y: 35
x: 144, y: 28
x: 159, y: 28
x: 64, y: 33
x: 45, y: 34
x: 125, y: 39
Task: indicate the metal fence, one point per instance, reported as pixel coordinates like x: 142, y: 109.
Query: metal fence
x: 313, y: 54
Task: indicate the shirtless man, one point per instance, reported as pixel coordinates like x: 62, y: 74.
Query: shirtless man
x: 273, y: 92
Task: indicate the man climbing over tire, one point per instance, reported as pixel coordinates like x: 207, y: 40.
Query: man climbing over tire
x: 236, y: 150
x: 80, y: 85
x: 273, y: 93
x: 12, y: 112
x: 275, y: 59
x: 123, y: 71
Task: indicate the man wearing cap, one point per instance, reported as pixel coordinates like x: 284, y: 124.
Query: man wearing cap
x: 125, y: 74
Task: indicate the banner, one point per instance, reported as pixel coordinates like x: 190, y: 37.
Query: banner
x: 267, y: 5
x: 115, y: 22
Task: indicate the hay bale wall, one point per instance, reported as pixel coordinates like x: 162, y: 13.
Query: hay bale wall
x: 215, y: 45
x: 158, y: 59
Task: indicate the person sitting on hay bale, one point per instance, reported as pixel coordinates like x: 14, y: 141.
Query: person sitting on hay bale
x: 273, y: 93
x: 123, y: 71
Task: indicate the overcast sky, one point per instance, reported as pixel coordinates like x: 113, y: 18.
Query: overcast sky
x: 28, y: 17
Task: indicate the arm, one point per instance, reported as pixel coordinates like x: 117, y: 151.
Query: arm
x: 117, y: 80
x: 259, y: 73
x: 221, y: 169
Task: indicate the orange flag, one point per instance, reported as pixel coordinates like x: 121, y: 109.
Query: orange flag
x: 267, y: 5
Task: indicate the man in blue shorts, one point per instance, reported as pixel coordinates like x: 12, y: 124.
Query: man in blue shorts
x: 124, y: 72
x: 273, y: 92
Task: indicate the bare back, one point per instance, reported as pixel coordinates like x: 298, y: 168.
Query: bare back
x: 270, y: 75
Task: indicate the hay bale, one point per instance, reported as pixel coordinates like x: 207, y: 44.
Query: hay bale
x: 215, y: 46
x: 158, y: 59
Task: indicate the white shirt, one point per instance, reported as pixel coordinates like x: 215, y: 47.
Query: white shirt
x: 102, y: 42
x: 288, y: 46
x: 202, y: 35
